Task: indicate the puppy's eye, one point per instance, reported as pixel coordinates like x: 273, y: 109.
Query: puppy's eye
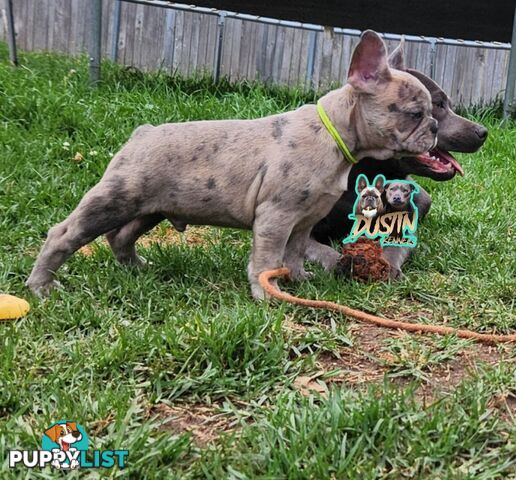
x: 440, y: 104
x: 416, y: 115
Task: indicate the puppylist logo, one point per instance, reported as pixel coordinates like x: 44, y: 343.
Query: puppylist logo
x: 64, y: 446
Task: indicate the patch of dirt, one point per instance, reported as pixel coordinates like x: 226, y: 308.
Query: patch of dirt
x: 506, y: 405
x: 88, y: 250
x: 168, y: 236
x: 204, y: 422
x: 99, y: 426
x: 293, y: 327
x: 309, y: 384
x: 445, y: 377
x: 367, y: 362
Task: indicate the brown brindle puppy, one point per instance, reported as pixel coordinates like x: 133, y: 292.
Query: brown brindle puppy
x: 277, y: 175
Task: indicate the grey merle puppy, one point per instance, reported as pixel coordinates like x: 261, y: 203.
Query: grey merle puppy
x: 277, y: 175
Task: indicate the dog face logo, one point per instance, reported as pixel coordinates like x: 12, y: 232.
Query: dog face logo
x: 385, y: 211
x: 65, y: 436
x: 369, y: 201
x: 398, y: 195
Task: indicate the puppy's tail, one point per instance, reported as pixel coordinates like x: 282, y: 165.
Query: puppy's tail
x: 274, y: 292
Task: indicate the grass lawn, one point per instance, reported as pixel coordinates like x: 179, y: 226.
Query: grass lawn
x: 178, y: 365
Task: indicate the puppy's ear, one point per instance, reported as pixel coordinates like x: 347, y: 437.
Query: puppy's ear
x: 369, y: 68
x: 397, y: 57
x: 379, y: 183
x: 72, y: 426
x: 53, y: 433
x: 414, y: 188
x: 361, y: 183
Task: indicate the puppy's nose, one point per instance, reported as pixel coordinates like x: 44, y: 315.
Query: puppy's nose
x: 76, y: 434
x: 433, y: 127
x: 481, y: 132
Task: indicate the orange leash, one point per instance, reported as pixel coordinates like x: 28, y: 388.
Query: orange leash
x: 274, y: 292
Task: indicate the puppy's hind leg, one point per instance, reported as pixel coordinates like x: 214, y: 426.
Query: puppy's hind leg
x: 122, y: 240
x: 105, y: 207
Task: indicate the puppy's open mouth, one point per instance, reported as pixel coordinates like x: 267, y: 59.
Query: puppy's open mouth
x: 440, y: 161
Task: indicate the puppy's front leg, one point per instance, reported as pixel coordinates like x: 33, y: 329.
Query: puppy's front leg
x: 322, y: 254
x: 271, y: 231
x: 396, y: 256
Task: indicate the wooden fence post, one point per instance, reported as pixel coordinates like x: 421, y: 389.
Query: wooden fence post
x: 115, y: 31
x: 511, y: 74
x: 312, y: 43
x: 95, y: 40
x: 220, y: 41
x: 11, y: 34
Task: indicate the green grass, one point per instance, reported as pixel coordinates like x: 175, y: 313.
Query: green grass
x: 185, y: 331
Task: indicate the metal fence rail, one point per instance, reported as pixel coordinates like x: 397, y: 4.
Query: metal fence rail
x: 156, y: 34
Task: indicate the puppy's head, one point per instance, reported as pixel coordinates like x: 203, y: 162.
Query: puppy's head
x: 455, y: 132
x: 64, y: 434
x: 398, y: 195
x: 393, y: 112
x: 370, y: 198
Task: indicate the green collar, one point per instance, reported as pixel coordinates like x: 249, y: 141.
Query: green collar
x: 333, y: 132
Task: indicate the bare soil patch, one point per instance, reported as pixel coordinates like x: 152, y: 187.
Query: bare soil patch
x: 165, y: 236
x: 204, y: 422
x: 368, y: 361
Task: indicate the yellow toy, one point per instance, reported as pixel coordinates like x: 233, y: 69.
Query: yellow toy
x: 12, y: 307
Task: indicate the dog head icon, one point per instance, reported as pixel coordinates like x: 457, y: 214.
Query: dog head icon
x: 64, y: 434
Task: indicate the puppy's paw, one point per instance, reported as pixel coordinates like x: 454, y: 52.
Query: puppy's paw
x: 42, y: 290
x: 140, y: 262
x: 136, y: 261
x: 258, y: 293
x: 395, y: 274
x: 298, y: 275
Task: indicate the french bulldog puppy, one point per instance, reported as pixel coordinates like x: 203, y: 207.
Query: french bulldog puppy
x: 455, y: 133
x: 277, y: 175
x: 370, y: 202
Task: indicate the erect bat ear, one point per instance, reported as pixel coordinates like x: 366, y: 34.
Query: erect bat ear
x: 361, y: 183
x: 397, y: 57
x: 53, y: 432
x: 379, y: 182
x: 369, y: 68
